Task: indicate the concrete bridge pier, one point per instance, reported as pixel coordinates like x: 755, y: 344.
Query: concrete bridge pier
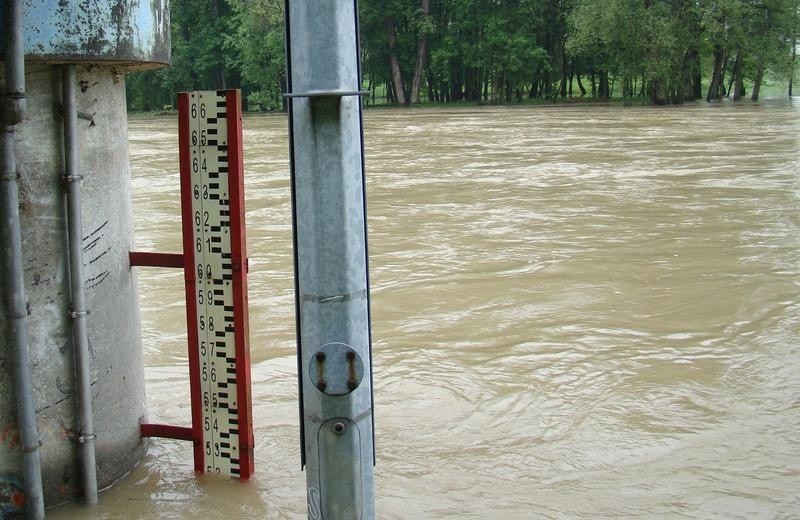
x: 103, y: 40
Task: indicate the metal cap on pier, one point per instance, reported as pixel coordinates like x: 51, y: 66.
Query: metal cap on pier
x: 127, y: 33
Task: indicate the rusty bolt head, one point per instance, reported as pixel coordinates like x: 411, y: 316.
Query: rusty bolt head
x: 351, y: 355
x: 322, y: 385
x: 320, y: 356
x: 339, y: 428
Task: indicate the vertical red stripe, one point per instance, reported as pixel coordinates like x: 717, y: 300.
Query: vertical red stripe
x: 184, y: 147
x: 239, y: 262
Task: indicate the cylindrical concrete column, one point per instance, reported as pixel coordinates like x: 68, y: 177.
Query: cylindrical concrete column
x: 122, y: 34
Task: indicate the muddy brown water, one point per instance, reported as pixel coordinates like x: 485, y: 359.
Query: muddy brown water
x: 579, y: 312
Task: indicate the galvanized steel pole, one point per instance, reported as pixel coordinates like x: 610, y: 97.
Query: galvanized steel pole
x: 331, y: 267
x: 12, y: 107
x: 72, y: 176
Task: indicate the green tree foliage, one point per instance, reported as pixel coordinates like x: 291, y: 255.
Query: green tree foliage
x: 198, y: 29
x: 495, y: 51
x: 255, y: 44
x: 650, y: 47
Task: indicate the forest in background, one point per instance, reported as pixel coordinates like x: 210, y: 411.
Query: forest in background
x: 495, y: 51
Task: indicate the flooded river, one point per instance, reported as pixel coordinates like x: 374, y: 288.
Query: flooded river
x: 579, y: 312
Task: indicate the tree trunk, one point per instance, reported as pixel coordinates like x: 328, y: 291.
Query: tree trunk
x: 571, y: 76
x: 738, y: 83
x: 682, y: 84
x: 563, y: 86
x: 547, y: 86
x: 394, y: 63
x: 685, y: 88
x: 534, y: 92
x: 791, y: 69
x: 472, y: 84
x: 716, y: 75
x: 433, y: 85
x: 658, y: 93
x: 697, y: 77
x: 757, y: 82
x: 422, y: 52
x: 603, y: 90
x: 456, y: 83
x: 735, y: 73
x: 220, y: 72
x: 580, y: 85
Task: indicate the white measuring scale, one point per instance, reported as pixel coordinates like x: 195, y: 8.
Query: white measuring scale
x: 215, y: 267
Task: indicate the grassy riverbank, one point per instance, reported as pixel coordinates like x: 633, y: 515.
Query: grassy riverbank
x: 768, y: 92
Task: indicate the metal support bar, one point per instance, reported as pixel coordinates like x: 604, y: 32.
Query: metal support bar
x: 156, y: 259
x: 79, y: 312
x: 12, y: 112
x: 166, y: 431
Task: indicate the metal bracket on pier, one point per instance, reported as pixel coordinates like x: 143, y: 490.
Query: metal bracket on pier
x: 156, y: 259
